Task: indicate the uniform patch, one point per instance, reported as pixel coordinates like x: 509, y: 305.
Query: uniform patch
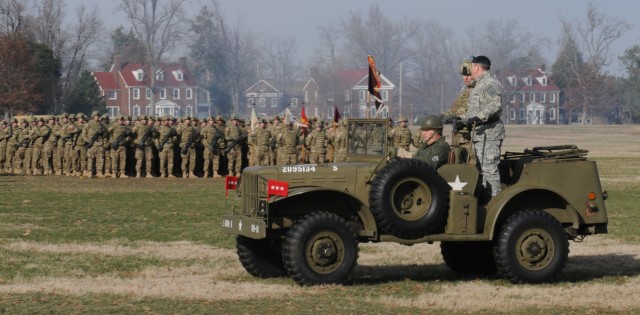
x: 435, y: 158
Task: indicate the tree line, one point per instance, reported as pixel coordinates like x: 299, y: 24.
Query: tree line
x: 45, y: 61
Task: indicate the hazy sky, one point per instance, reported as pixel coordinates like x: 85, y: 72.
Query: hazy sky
x: 301, y: 18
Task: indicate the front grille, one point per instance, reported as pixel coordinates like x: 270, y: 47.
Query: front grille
x: 253, y: 188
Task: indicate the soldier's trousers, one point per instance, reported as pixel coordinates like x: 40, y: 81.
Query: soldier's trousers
x: 235, y: 160
x: 58, y: 159
x: 317, y: 158
x: 288, y: 159
x: 210, y: 160
x: 36, y: 158
x: 70, y: 158
x: 488, y: 158
x: 107, y: 159
x: 96, y: 159
x: 263, y: 157
x: 118, y: 160
x: 9, y: 156
x: 144, y: 155
x: 166, y: 160
x: 3, y: 155
x: 82, y: 158
x: 47, y: 157
x: 340, y: 156
x: 188, y: 160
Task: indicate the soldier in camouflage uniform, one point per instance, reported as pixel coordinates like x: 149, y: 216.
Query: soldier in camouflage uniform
x: 12, y: 143
x: 168, y: 137
x: 484, y: 110
x: 434, y: 150
x: 402, y: 137
x: 143, y: 139
x: 106, y: 145
x: 288, y: 141
x: 72, y: 147
x: 50, y: 142
x: 212, y: 140
x: 276, y: 129
x: 188, y: 135
x: 462, y: 137
x: 81, y: 147
x: 339, y: 140
x: 58, y: 152
x: 234, y: 135
x: 23, y: 153
x: 118, y: 142
x: 5, y: 133
x: 317, y: 144
x: 93, y: 134
x: 262, y: 144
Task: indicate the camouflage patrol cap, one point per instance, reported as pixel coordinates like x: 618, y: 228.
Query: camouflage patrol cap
x: 95, y: 113
x: 402, y: 118
x: 219, y: 118
x: 465, y: 67
x: 72, y: 116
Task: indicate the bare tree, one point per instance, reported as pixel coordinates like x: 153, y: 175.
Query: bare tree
x: 279, y: 55
x: 329, y: 38
x: 12, y: 15
x: 160, y: 25
x: 592, y: 38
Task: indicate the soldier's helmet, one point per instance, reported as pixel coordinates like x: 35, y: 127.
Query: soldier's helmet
x: 165, y: 117
x: 432, y: 122
x: 402, y: 118
x: 14, y: 120
x: 234, y: 117
x: 3, y: 122
x: 219, y: 118
x: 24, y: 120
x: 95, y: 113
x: 465, y: 67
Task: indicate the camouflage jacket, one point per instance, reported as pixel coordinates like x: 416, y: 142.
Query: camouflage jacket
x: 485, y: 103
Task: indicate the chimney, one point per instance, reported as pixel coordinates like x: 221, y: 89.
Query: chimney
x: 183, y: 62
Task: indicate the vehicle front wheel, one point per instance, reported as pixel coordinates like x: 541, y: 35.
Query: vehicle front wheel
x: 261, y: 258
x: 532, y: 247
x: 320, y: 248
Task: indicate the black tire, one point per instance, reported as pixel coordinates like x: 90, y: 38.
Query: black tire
x: 261, y: 258
x: 474, y: 259
x: 532, y: 247
x: 320, y: 248
x: 409, y: 199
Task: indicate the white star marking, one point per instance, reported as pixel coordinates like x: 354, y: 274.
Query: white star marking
x: 457, y: 185
x: 240, y: 225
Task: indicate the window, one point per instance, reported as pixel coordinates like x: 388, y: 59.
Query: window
x: 113, y: 111
x: 512, y: 114
x: 250, y: 102
x: 113, y: 95
x: 533, y: 97
x: 522, y: 97
x: 147, y: 110
x: 543, y: 97
x: 274, y: 102
x: 552, y: 98
x: 189, y: 110
x: 330, y: 113
x: 552, y: 113
x: 136, y: 111
x: 148, y: 94
x: 543, y: 82
x: 521, y: 114
x: 513, y: 98
x: 306, y: 96
x: 139, y: 74
x: 178, y: 75
x: 362, y: 95
x: 527, y: 80
x: 160, y: 75
x: 263, y: 102
x: 330, y: 96
x: 163, y: 94
x: 294, y: 102
x: 188, y: 93
x: 176, y: 94
x: 347, y: 95
x: 384, y: 95
x: 136, y: 94
x: 315, y: 96
x: 512, y: 80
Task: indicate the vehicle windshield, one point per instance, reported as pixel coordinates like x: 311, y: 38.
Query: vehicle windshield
x: 367, y: 138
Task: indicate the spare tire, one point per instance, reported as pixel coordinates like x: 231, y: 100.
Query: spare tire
x: 409, y: 199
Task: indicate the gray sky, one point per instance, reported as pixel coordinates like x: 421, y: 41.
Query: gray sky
x: 301, y: 18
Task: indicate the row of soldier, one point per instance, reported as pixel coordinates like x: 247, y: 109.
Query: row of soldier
x: 76, y: 145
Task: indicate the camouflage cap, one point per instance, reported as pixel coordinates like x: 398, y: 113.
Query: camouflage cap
x: 72, y: 116
x: 465, y: 67
x: 402, y: 118
x: 95, y: 113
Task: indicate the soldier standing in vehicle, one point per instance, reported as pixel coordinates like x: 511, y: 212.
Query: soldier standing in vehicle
x: 233, y: 134
x: 317, y: 143
x: 339, y: 141
x: 262, y: 144
x: 462, y: 137
x: 402, y: 138
x: 434, y: 150
x: 484, y: 111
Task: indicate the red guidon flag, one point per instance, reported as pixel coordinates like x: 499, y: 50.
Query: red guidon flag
x: 230, y: 183
x: 303, y: 117
x: 277, y: 188
x: 374, y: 83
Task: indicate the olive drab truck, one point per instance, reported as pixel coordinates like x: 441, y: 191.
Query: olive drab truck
x: 306, y: 221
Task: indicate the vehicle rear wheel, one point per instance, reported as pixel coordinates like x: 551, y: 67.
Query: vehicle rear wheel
x: 320, y: 248
x: 261, y: 258
x: 469, y: 258
x: 532, y: 247
x: 409, y: 199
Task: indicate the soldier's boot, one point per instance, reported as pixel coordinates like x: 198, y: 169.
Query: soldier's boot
x: 138, y: 175
x: 59, y: 172
x: 123, y: 175
x: 90, y: 174
x: 149, y: 175
x: 216, y: 175
x: 108, y: 174
x: 171, y: 175
x: 184, y: 175
x: 192, y: 175
x: 101, y: 175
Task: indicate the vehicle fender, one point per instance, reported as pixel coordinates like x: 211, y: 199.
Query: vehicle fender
x: 514, y: 199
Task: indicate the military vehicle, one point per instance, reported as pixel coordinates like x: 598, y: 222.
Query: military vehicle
x: 306, y: 221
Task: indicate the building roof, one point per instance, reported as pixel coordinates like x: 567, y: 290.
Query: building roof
x: 537, y: 76
x: 106, y: 81
x: 127, y: 74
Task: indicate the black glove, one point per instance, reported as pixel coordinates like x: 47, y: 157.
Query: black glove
x: 448, y: 119
x: 473, y: 120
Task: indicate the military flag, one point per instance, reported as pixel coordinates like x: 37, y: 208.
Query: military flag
x: 277, y: 188
x: 303, y: 117
x: 374, y: 83
x: 230, y: 183
x: 254, y: 120
x: 287, y: 116
x: 336, y: 114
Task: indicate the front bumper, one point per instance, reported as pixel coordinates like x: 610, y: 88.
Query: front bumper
x: 245, y: 226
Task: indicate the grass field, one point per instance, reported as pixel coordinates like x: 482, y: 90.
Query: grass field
x: 151, y: 246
